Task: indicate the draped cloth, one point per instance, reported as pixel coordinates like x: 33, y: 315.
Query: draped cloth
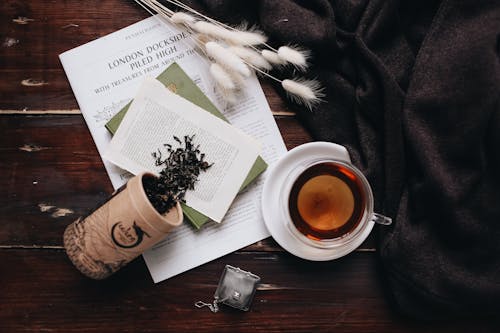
x: 412, y: 91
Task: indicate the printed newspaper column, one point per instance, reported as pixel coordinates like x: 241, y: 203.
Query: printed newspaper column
x: 118, y: 231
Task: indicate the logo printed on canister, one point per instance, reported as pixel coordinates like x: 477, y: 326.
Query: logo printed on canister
x: 127, y: 237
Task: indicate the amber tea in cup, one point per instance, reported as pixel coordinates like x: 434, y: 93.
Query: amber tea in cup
x: 326, y: 201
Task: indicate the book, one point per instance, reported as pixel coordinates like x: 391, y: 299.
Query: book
x: 175, y: 79
x: 159, y: 117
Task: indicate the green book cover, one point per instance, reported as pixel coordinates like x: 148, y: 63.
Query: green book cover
x: 175, y: 79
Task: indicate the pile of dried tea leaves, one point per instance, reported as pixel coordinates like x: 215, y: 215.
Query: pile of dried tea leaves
x: 180, y: 171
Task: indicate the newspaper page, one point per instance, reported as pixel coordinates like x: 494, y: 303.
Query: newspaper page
x: 105, y: 75
x: 156, y: 116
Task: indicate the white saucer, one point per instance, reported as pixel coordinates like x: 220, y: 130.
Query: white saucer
x: 271, y: 206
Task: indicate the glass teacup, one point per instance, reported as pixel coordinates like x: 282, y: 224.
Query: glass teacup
x: 328, y: 203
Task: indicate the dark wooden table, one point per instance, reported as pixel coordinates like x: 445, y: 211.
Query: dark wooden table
x: 51, y: 173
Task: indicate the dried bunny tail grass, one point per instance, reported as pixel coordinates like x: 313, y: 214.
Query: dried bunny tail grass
x: 272, y: 57
x: 238, y: 79
x: 182, y: 18
x: 302, y: 91
x: 235, y: 37
x: 249, y: 38
x: 233, y: 65
x: 206, y: 24
x: 222, y: 78
x: 227, y: 59
x: 156, y: 6
x: 242, y: 36
x: 252, y: 57
x: 295, y: 56
x: 229, y: 96
x: 210, y: 29
x: 253, y: 35
x: 202, y: 39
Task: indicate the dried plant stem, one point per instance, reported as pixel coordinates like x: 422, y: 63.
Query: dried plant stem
x: 251, y: 56
x: 263, y: 72
x: 272, y: 57
x: 183, y: 18
x: 209, y: 19
x: 159, y: 5
x: 235, y: 51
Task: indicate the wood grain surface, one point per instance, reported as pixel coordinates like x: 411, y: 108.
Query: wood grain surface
x: 51, y: 173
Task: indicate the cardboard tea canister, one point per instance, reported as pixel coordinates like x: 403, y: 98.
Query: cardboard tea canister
x: 118, y: 231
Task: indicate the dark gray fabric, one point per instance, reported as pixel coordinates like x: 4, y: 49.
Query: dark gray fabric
x: 412, y: 90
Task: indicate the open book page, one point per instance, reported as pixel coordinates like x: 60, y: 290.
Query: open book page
x: 102, y: 91
x: 157, y: 115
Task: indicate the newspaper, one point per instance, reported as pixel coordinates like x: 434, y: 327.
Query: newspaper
x: 105, y: 75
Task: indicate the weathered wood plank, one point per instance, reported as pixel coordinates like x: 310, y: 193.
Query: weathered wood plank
x: 46, y: 161
x: 77, y: 111
x: 51, y: 29
x: 35, y: 34
x: 27, y: 112
x: 51, y: 173
x: 42, y: 292
x: 56, y: 94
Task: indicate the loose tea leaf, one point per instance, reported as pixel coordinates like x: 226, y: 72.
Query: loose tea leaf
x: 180, y: 171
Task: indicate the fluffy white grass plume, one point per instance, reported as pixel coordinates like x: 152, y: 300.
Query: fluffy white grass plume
x: 182, y: 18
x: 229, y: 96
x: 294, y: 56
x: 235, y: 37
x: 210, y: 29
x: 203, y: 39
x: 235, y: 52
x: 247, y: 38
x: 222, y: 77
x: 226, y: 58
x: 305, y: 92
x: 252, y: 57
x: 272, y: 57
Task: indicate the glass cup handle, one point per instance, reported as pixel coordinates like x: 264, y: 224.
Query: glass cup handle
x: 381, y: 219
